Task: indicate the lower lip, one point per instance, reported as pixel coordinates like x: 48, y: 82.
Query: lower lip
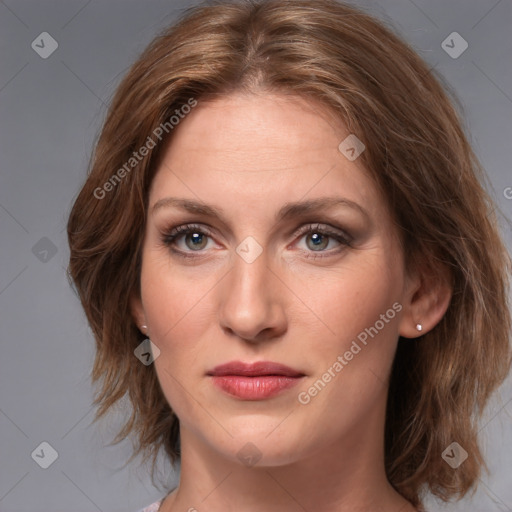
x: 255, y: 388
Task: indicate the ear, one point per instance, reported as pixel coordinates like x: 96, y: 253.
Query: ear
x: 426, y: 299
x: 137, y: 311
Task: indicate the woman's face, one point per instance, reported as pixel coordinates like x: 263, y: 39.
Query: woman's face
x: 249, y: 283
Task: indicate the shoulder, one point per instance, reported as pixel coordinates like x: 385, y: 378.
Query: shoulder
x: 152, y: 508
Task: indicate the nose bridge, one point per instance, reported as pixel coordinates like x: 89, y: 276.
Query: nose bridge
x: 250, y: 268
x: 250, y: 303
x: 250, y: 263
x: 248, y: 279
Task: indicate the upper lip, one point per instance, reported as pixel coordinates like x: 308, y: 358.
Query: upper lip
x: 260, y: 368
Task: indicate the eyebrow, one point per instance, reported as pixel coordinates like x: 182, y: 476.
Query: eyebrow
x: 286, y: 212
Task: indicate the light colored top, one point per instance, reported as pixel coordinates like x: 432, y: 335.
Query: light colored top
x: 153, y: 507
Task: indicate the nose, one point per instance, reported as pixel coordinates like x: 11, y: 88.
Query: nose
x: 253, y: 301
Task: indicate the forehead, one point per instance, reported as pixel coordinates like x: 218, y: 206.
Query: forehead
x: 242, y: 125
x: 261, y: 151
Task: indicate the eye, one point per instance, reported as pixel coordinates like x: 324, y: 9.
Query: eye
x: 196, y: 237
x: 318, y: 238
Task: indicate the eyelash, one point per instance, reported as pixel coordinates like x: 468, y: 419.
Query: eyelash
x: 169, y: 238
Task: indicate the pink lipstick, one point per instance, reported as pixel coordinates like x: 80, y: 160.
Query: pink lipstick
x: 256, y: 381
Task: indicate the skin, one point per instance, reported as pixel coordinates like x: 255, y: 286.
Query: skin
x: 249, y: 154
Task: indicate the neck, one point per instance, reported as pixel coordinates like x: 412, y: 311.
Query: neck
x: 348, y: 476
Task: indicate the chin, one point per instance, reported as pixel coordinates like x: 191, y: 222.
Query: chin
x: 256, y: 442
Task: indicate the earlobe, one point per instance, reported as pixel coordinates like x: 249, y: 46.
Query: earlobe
x: 137, y: 312
x: 428, y: 300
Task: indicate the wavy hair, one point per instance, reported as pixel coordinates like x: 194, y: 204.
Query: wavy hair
x: 417, y: 153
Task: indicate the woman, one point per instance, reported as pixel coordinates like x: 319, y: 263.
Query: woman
x: 290, y: 265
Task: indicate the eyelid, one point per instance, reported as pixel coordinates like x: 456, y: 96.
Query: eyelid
x: 326, y: 229
x: 170, y: 236
x: 305, y: 228
x: 173, y: 233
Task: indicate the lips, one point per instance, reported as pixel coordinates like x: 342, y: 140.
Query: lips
x: 255, y: 381
x: 259, y: 369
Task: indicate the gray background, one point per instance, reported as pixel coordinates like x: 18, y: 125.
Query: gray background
x: 50, y: 113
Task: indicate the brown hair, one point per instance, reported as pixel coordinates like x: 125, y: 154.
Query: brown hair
x: 416, y: 151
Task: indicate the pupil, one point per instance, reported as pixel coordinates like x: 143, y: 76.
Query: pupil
x: 196, y: 238
x: 317, y: 240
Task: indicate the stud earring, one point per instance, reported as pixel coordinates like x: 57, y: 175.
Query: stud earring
x: 419, y: 327
x: 143, y: 326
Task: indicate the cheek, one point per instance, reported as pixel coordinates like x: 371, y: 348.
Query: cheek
x: 344, y: 301
x: 358, y: 308
x: 361, y: 308
x: 176, y: 306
